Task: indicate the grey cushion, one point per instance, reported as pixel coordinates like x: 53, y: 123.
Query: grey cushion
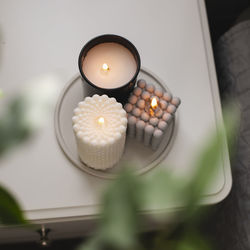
x: 232, y: 53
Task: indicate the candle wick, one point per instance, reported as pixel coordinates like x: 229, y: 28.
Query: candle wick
x: 101, y: 121
x: 105, y: 67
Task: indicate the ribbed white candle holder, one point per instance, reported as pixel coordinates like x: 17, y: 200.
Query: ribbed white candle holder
x: 100, y: 123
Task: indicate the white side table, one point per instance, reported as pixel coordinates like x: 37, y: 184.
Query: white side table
x: 45, y: 37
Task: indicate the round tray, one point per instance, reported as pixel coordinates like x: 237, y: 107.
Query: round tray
x: 136, y: 155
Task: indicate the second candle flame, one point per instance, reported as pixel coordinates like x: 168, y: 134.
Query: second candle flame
x: 154, y: 103
x: 105, y: 67
x: 101, y: 120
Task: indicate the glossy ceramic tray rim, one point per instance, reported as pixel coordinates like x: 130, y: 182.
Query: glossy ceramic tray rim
x: 98, y: 173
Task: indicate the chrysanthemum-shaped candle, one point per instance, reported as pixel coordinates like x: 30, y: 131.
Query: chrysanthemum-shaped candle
x: 100, y: 123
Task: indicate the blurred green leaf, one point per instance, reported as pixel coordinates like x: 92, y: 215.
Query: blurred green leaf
x: 119, y: 223
x: 1, y: 93
x: 10, y: 212
x: 205, y: 168
x: 193, y: 240
x: 208, y: 160
x: 92, y: 244
x: 161, y: 189
x: 128, y: 194
x: 23, y: 115
x: 12, y: 129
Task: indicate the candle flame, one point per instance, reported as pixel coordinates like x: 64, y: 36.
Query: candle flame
x: 154, y: 103
x: 105, y: 67
x: 101, y: 120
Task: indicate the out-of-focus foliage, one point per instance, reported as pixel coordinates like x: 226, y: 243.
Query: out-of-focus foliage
x: 21, y: 117
x: 12, y: 128
x: 10, y: 211
x: 120, y: 222
x: 12, y: 132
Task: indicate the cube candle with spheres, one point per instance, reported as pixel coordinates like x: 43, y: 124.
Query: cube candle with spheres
x: 150, y: 111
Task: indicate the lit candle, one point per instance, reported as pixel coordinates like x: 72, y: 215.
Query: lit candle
x: 100, y: 124
x: 152, y: 111
x: 110, y: 63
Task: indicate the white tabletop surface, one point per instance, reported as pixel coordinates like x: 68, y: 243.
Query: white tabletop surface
x: 43, y: 38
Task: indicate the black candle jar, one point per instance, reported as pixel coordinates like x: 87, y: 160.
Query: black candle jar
x: 122, y: 91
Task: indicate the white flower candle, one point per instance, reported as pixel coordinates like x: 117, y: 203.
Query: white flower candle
x: 100, y: 123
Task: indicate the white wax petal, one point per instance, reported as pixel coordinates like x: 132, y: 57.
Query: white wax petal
x: 122, y: 112
x: 87, y: 99
x: 122, y: 129
x: 92, y: 101
x: 85, y: 106
x: 76, y: 127
x: 141, y: 83
x: 132, y: 99
x: 124, y: 121
x: 81, y: 128
x: 118, y: 105
x: 77, y: 111
x: 112, y: 100
x: 117, y: 136
x: 105, y: 97
x: 81, y: 123
x: 96, y: 97
x: 80, y: 134
x: 137, y: 91
x: 81, y: 104
x: 75, y: 119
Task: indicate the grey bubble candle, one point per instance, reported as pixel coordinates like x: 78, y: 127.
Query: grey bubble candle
x: 150, y: 110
